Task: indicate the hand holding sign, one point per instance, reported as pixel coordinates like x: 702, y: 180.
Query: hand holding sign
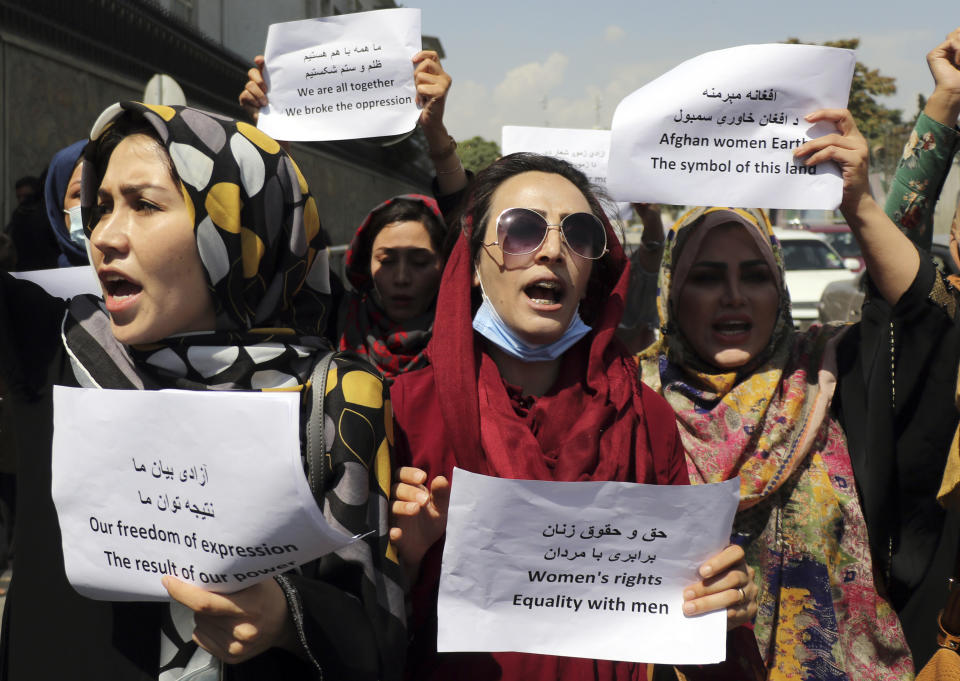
x: 847, y: 148
x: 236, y: 627
x: 720, y: 129
x: 598, y: 570
x: 341, y: 77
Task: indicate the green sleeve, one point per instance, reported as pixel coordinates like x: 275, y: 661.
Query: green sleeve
x: 920, y: 175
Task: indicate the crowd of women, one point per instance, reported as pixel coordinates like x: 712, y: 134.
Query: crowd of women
x: 482, y: 326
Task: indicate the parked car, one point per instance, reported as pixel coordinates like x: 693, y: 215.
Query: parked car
x: 840, y: 236
x: 841, y: 301
x: 811, y: 264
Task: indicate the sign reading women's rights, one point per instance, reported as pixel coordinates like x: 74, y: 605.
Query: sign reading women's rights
x: 581, y: 569
x: 207, y: 487
x: 342, y: 77
x: 721, y: 128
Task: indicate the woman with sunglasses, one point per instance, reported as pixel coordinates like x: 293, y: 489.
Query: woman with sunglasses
x: 527, y: 381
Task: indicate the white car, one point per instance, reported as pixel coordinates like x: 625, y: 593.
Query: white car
x: 811, y: 263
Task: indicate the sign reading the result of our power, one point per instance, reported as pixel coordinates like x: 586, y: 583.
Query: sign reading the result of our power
x: 204, y: 486
x: 581, y: 569
x: 720, y: 129
x: 342, y: 77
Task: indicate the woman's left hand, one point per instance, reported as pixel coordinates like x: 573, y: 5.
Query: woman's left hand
x: 848, y: 148
x: 727, y: 584
x: 236, y: 627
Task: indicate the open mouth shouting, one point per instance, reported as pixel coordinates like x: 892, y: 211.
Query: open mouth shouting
x: 546, y: 293
x: 732, y: 329
x: 119, y: 291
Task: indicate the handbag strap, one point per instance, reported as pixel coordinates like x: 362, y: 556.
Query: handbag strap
x: 316, y: 447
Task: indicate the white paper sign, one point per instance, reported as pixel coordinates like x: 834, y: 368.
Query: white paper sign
x: 721, y: 128
x: 342, y: 77
x: 205, y: 486
x: 585, y: 569
x: 586, y: 150
x: 64, y: 282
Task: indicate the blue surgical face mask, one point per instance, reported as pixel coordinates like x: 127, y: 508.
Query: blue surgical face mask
x: 488, y: 323
x: 76, y: 227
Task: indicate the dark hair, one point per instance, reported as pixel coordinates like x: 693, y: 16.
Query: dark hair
x: 400, y: 210
x: 489, y: 180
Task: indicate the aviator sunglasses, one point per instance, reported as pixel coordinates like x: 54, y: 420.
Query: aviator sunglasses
x: 521, y: 231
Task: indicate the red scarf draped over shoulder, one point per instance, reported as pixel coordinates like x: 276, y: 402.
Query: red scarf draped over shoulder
x: 597, y: 411
x: 598, y: 422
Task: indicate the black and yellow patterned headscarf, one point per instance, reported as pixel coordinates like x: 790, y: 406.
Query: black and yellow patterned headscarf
x: 263, y: 253
x: 265, y: 259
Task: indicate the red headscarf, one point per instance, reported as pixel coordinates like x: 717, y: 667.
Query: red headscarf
x: 364, y: 327
x: 598, y: 422
x: 595, y: 413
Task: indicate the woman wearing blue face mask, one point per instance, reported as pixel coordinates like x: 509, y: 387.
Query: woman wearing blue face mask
x: 61, y: 195
x: 527, y: 381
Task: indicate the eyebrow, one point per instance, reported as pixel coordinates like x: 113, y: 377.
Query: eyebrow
x: 391, y: 249
x: 128, y: 189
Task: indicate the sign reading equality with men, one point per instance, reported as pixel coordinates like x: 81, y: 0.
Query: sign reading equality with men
x: 581, y: 569
x: 342, y: 77
x: 720, y: 129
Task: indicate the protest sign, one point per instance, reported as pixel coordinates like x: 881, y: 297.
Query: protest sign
x: 584, y: 569
x: 585, y: 150
x: 205, y: 486
x: 721, y: 128
x: 64, y: 282
x: 342, y: 77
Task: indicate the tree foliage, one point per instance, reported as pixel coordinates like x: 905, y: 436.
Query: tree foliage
x: 477, y: 153
x: 884, y: 128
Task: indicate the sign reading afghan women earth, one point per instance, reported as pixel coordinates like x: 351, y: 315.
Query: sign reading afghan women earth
x: 721, y: 129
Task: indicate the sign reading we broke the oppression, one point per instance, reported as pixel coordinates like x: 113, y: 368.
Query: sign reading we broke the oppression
x: 581, y: 569
x: 342, y: 77
x: 721, y: 129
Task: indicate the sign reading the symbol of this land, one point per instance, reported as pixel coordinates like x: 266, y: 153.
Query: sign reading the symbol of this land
x: 348, y: 76
x: 721, y: 129
x: 581, y: 569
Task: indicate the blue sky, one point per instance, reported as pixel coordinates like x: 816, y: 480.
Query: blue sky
x: 568, y: 64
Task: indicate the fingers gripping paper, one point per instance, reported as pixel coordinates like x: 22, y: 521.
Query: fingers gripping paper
x: 720, y: 130
x: 581, y: 569
x: 342, y: 77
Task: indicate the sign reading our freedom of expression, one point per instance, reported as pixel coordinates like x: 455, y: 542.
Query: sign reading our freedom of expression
x: 720, y: 129
x: 342, y: 77
x: 204, y: 486
x: 581, y: 569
